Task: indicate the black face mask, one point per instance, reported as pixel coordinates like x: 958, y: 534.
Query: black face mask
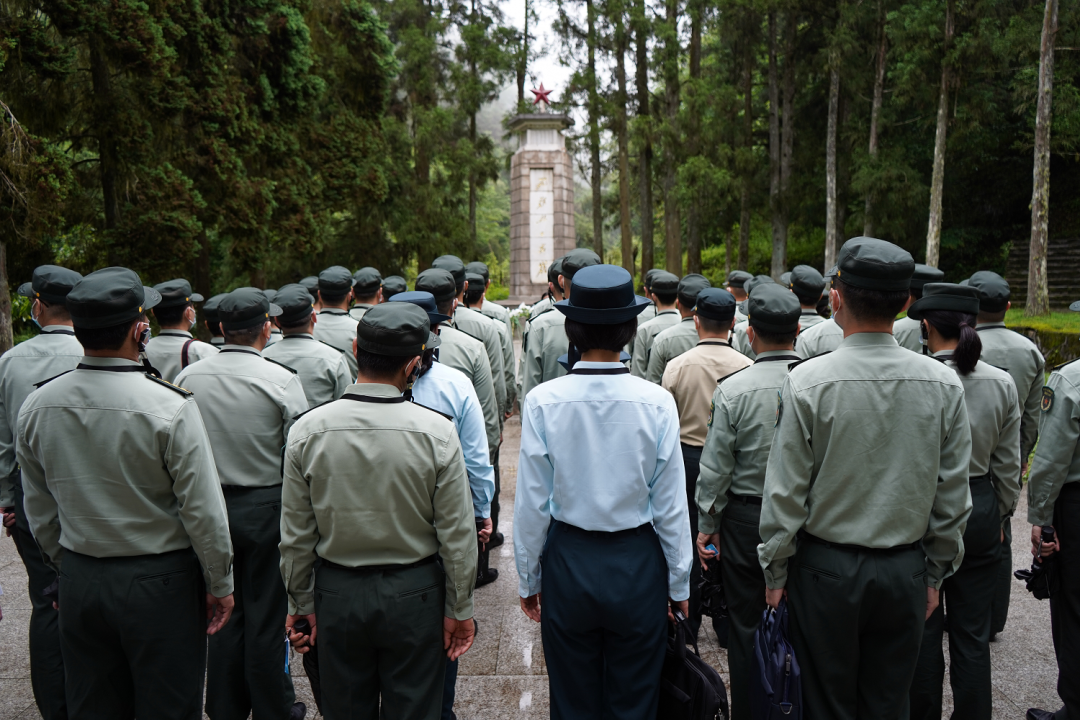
x: 924, y: 339
x: 144, y: 337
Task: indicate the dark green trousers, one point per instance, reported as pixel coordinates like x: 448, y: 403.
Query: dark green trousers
x: 381, y: 636
x: 966, y: 597
x: 744, y: 587
x: 1005, y: 581
x: 46, y: 659
x: 856, y: 624
x: 498, y: 487
x: 133, y: 634
x: 692, y: 466
x: 247, y: 661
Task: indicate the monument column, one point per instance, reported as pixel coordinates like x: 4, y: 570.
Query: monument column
x: 541, y: 200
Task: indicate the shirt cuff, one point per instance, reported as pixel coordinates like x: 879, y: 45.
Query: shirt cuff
x: 708, y: 524
x: 462, y: 611
x: 301, y: 603
x: 223, y: 586
x: 776, y: 574
x: 1041, y: 515
x: 679, y: 592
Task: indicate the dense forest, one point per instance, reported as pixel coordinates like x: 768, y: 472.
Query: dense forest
x: 244, y: 142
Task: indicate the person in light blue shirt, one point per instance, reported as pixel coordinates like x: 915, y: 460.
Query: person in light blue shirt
x: 601, y: 493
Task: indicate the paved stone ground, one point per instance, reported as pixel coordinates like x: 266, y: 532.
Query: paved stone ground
x: 503, y: 675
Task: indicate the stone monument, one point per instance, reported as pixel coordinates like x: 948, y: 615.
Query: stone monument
x: 541, y: 199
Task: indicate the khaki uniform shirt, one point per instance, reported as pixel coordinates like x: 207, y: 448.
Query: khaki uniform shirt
x: 474, y: 323
x: 506, y: 343
x: 808, y: 319
x: 871, y: 448
x: 907, y: 334
x: 740, y: 341
x: 1057, y: 459
x: 740, y: 315
x: 373, y: 480
x: 822, y: 338
x: 321, y: 368
x: 1018, y: 356
x: 117, y: 464
x: 467, y: 355
x: 496, y: 311
x: 741, y: 422
x: 534, y: 313
x: 644, y: 337
x: 248, y: 404
x: 691, y: 379
x: 165, y: 351
x: 357, y: 311
x: 643, y: 317
x: 541, y: 306
x: 543, y: 347
x: 336, y: 328
x: 41, y: 357
x: 668, y: 345
x: 275, y: 337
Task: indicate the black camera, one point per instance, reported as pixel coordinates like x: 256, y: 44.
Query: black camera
x: 1042, y: 578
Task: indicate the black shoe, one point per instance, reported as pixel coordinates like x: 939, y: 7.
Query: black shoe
x: 495, y: 541
x: 298, y: 712
x: 486, y: 577
x: 993, y: 637
x: 1037, y: 714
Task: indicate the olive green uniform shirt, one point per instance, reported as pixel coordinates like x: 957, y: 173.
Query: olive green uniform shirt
x: 907, y: 334
x: 1018, y: 356
x: 468, y: 355
x: 376, y: 483
x: 740, y: 435
x: 117, y: 464
x: 497, y: 312
x: 691, y: 379
x: 808, y: 318
x: 534, y: 313
x: 322, y: 369
x: 1057, y: 459
x: 336, y: 328
x: 739, y: 340
x: 541, y: 306
x: 43, y: 356
x: 165, y: 351
x: 474, y: 323
x: 644, y: 337
x: 506, y: 342
x: 357, y: 311
x: 822, y: 338
x: 248, y: 405
x: 871, y: 448
x: 668, y: 345
x: 546, y: 343
x: 647, y: 314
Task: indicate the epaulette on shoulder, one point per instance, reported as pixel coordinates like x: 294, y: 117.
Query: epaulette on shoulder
x: 542, y: 313
x: 280, y: 364
x: 297, y: 417
x: 1070, y: 362
x: 49, y: 380
x: 463, y: 332
x: 174, y: 388
x: 448, y: 417
x: 334, y: 347
x: 730, y: 375
x: 797, y: 363
x: 1007, y: 369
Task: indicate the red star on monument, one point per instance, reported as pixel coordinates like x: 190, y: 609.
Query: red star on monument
x: 541, y: 95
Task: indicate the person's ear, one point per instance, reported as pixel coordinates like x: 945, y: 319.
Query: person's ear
x: 354, y: 347
x: 314, y: 316
x: 798, y: 329
x: 378, y: 297
x: 465, y: 288
x: 1008, y: 305
x: 834, y: 300
x: 268, y: 328
x: 697, y: 323
x: 189, y: 314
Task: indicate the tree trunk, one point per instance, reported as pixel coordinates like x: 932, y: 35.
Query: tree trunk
x: 727, y: 251
x: 672, y: 225
x: 693, y: 142
x: 774, y: 141
x: 830, y: 159
x: 748, y: 142
x: 937, y: 183
x: 472, y: 182
x: 523, y: 61
x: 594, y: 135
x: 108, y: 163
x: 641, y: 31
x: 787, y: 142
x: 625, y: 231
x: 7, y: 339
x: 875, y: 115
x: 1038, y: 296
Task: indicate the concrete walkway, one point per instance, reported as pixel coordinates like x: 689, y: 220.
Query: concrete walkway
x: 503, y: 675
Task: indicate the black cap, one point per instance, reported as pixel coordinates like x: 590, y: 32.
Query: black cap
x: 311, y: 282
x: 664, y: 283
x: 295, y: 303
x: 926, y: 274
x: 398, y: 329
x: 805, y: 281
x: 690, y: 286
x: 758, y: 280
x: 176, y: 293
x: 738, y: 278
x: 440, y: 283
x: 773, y: 308
x: 945, y: 296
x: 426, y: 302
x: 245, y: 307
x: 555, y: 270
x: 367, y: 281
x: 108, y: 297
x: 602, y: 295
x: 335, y: 281
x: 50, y: 283
x: 210, y: 308
x: 480, y: 269
x: 453, y: 265
x: 393, y: 285
x: 785, y: 279
x: 993, y: 290
x: 715, y: 304
x: 471, y: 278
x: 873, y: 264
x: 270, y: 294
x: 649, y: 275
x: 576, y: 259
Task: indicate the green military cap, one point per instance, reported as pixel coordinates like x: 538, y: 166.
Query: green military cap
x: 664, y: 283
x: 311, y: 282
x: 873, y: 264
x: 393, y: 285
x: 479, y: 268
x: 689, y: 287
x: 295, y: 303
x: 270, y: 294
x: 773, y: 308
x: 945, y: 296
x: 993, y: 290
x: 577, y: 259
x: 108, y: 297
x: 649, y: 275
x: 926, y: 274
x: 210, y: 308
x: 474, y: 278
x: 715, y: 304
x: 965, y: 282
x: 440, y: 283
x: 175, y: 293
x: 367, y: 281
x: 555, y: 270
x: 805, y: 280
x: 785, y: 279
x: 832, y: 273
x: 426, y: 302
x: 398, y: 329
x: 335, y: 280
x: 738, y: 278
x: 758, y: 280
x: 245, y: 307
x: 453, y: 265
x: 50, y: 283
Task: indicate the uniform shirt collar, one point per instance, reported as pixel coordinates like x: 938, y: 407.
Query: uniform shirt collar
x: 810, y: 311
x: 587, y: 365
x: 688, y: 318
x: 671, y: 311
x: 306, y: 336
x: 980, y: 326
x: 333, y: 311
x: 373, y: 390
x: 57, y: 328
x: 777, y: 353
x: 108, y: 361
x: 241, y: 348
x: 870, y: 339
x: 175, y: 333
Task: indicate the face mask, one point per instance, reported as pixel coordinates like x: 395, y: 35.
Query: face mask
x: 144, y: 337
x: 33, y: 318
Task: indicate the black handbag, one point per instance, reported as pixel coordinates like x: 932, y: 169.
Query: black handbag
x: 776, y: 687
x: 690, y: 688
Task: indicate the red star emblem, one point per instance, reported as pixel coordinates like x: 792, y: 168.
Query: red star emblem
x: 541, y: 95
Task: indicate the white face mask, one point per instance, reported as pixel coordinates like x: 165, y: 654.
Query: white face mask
x: 33, y: 317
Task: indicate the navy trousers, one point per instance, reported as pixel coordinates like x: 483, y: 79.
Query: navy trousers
x: 604, y: 622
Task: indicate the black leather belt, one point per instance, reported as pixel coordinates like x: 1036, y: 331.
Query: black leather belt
x: 744, y: 499
x: 603, y: 534
x: 803, y: 535
x: 975, y: 479
x: 379, y: 568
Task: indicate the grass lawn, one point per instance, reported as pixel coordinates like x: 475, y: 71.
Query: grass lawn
x: 1056, y: 321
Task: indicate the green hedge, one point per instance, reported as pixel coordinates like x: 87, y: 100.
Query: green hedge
x: 1057, y: 346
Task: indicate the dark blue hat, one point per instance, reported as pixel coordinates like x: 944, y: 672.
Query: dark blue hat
x: 426, y: 302
x: 715, y: 304
x: 602, y: 295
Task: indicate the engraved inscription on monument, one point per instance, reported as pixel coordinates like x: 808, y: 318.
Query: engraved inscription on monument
x: 541, y: 222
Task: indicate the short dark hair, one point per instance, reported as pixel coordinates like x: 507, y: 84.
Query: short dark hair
x: 171, y: 315
x: 105, y: 338
x: 58, y: 311
x: 710, y: 325
x: 334, y: 299
x: 992, y: 317
x: 380, y: 366
x: 823, y: 308
x: 445, y: 307
x: 916, y: 293
x: 771, y: 338
x: 214, y: 328
x: 666, y: 298
x: 295, y: 327
x: 473, y: 293
x: 366, y: 299
x: 807, y: 298
x: 600, y: 337
x: 872, y: 305
x: 687, y: 301
x: 245, y: 336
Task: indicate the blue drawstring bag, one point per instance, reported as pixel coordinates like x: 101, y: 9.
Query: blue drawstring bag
x: 776, y: 687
